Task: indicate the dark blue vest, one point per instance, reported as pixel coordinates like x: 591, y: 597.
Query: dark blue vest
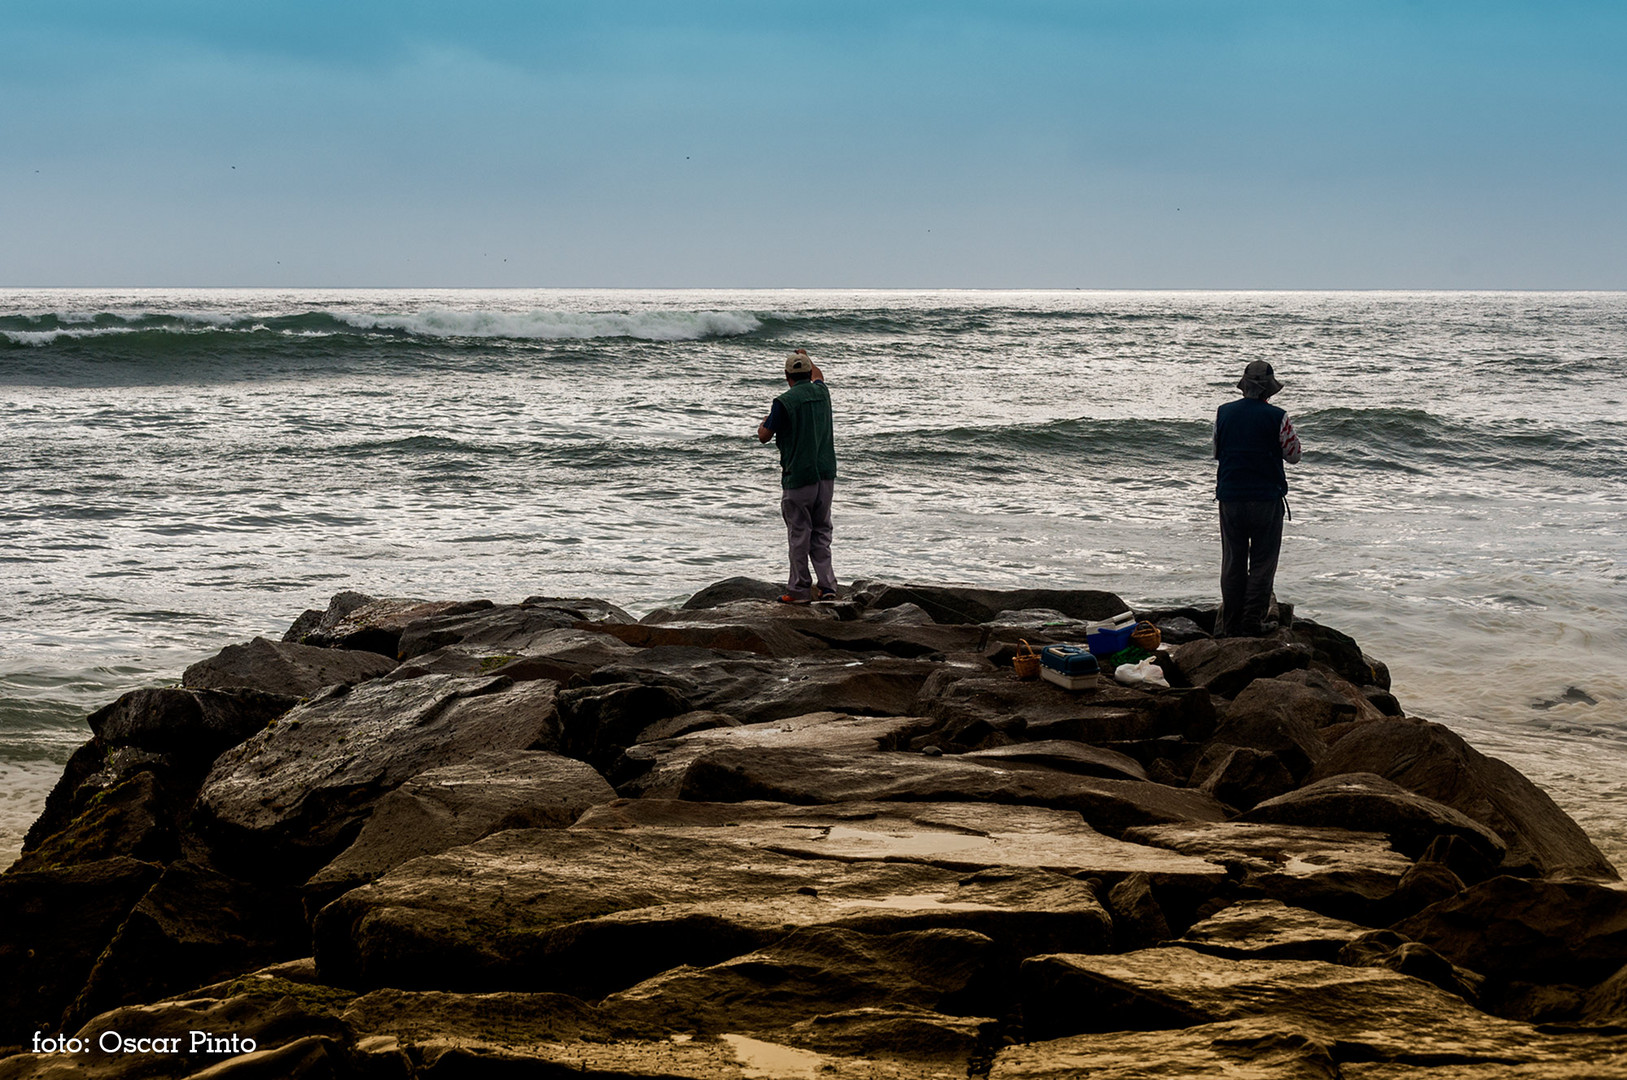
x: 1248, y: 446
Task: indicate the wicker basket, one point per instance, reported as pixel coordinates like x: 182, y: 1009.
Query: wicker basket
x: 1147, y: 636
x: 1026, y: 663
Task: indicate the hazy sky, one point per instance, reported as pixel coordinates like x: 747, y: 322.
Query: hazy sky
x: 1095, y: 143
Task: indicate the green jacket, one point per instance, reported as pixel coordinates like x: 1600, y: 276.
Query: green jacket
x: 806, y: 440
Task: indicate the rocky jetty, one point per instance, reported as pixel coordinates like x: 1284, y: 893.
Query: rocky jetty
x: 740, y: 839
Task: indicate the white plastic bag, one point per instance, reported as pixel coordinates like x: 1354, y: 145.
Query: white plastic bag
x: 1146, y: 673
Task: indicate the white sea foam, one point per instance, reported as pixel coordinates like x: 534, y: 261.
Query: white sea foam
x: 667, y: 325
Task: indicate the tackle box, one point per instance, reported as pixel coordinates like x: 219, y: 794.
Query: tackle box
x: 1070, y: 682
x: 1068, y: 660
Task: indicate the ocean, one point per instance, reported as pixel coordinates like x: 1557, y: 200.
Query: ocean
x: 186, y: 468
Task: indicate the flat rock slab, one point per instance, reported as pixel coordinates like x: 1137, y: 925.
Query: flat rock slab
x: 817, y: 776
x: 280, y: 667
x: 1062, y: 755
x: 589, y: 911
x: 954, y: 836
x: 1284, y: 1048
x: 810, y: 973
x: 1271, y: 930
x: 297, y: 791
x: 1343, y: 874
x: 656, y: 769
x: 1356, y: 1015
x: 458, y: 804
x: 543, y: 1034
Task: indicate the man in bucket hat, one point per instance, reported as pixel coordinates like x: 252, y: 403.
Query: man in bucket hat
x: 800, y: 422
x: 1252, y: 440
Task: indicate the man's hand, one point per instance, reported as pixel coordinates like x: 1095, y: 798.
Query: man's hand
x: 763, y: 434
x: 818, y: 376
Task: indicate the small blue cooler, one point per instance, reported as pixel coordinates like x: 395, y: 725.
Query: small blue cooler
x: 1107, y: 638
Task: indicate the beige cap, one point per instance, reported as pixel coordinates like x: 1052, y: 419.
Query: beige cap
x: 799, y: 363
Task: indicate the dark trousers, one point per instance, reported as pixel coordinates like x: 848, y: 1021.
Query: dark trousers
x: 1250, y: 539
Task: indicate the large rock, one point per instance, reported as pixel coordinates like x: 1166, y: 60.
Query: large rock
x: 292, y: 797
x: 1606, y: 1003
x: 544, y: 1034
x: 754, y: 689
x: 195, y: 725
x: 1346, y: 875
x: 819, y: 776
x: 657, y: 768
x: 567, y: 656
x: 195, y: 925
x: 1387, y: 949
x: 1542, y: 931
x: 283, y: 668
x: 138, y: 817
x: 53, y: 926
x: 590, y: 911
x: 504, y: 628
x: 730, y: 590
x: 459, y: 804
x: 1175, y: 987
x: 953, y: 836
x: 812, y: 972
x: 1436, y: 763
x: 1278, y: 1046
x: 764, y: 636
x: 1241, y: 776
x: 1363, y: 802
x: 1327, y: 1020
x: 295, y: 1031
x: 1339, y: 652
x: 753, y: 613
x: 598, y: 722
x: 968, y: 604
x: 1265, y: 717
x: 976, y: 704
x: 880, y: 631
x: 1271, y: 930
x: 374, y: 625
x: 1225, y: 666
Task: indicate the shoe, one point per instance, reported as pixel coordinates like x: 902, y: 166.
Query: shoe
x: 790, y: 598
x: 826, y: 594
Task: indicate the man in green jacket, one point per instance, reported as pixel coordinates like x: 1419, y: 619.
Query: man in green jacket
x: 800, y: 423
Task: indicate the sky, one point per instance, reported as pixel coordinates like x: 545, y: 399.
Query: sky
x: 1303, y: 144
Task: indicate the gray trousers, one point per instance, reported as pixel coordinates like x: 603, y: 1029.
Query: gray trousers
x: 807, y: 530
x: 1250, y: 540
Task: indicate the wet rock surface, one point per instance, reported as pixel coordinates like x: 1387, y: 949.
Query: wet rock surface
x: 737, y: 838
